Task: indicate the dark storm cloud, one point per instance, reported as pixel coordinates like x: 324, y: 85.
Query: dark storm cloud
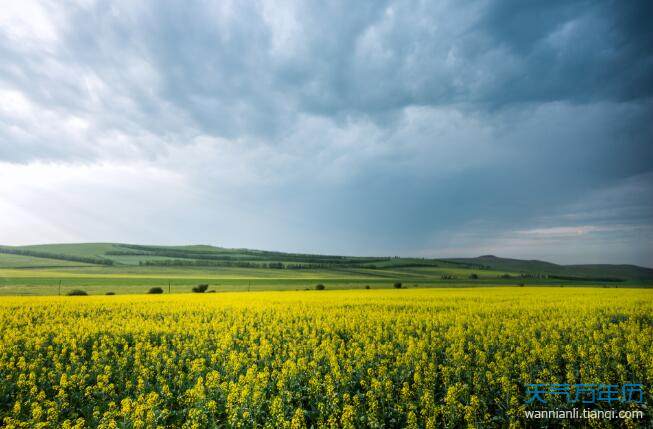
x: 372, y: 127
x: 580, y: 51
x: 232, y: 69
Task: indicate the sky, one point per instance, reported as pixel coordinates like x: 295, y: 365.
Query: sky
x: 415, y: 128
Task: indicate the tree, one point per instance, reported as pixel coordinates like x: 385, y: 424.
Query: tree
x: 200, y: 288
x: 473, y: 276
x: 155, y: 290
x: 319, y: 287
x: 397, y: 285
x: 77, y: 292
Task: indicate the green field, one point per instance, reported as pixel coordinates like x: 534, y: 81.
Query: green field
x: 124, y: 269
x: 20, y: 261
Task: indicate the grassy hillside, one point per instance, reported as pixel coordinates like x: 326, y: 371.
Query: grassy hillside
x: 127, y: 268
x: 595, y: 271
x: 81, y: 249
x: 21, y: 261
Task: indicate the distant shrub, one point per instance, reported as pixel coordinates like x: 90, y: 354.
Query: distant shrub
x: 319, y: 287
x: 276, y: 265
x: 397, y: 285
x: 473, y: 276
x: 200, y: 288
x: 367, y: 286
x: 155, y: 290
x: 210, y: 291
x: 77, y: 292
x: 110, y: 293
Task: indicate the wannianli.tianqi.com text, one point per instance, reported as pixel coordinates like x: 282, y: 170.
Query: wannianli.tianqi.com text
x: 576, y: 413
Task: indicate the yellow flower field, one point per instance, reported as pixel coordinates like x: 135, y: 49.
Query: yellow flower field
x: 366, y: 358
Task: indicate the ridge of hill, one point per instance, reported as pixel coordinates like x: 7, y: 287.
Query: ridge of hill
x: 122, y: 254
x: 534, y: 266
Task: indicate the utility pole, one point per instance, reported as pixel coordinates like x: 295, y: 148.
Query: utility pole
x: 168, y: 286
x: 59, y: 287
x: 249, y: 286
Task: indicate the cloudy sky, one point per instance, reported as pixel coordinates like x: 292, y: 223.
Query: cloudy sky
x: 443, y: 128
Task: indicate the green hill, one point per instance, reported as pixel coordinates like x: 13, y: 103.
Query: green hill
x: 121, y: 256
x: 534, y: 267
x: 8, y: 260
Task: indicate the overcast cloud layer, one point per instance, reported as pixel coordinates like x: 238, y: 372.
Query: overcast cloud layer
x: 386, y: 128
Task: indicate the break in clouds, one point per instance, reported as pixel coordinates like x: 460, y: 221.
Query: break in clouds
x: 383, y: 128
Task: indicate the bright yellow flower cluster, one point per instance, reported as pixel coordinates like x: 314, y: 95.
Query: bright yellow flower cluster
x: 373, y: 358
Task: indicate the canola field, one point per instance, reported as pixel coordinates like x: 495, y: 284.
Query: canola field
x: 418, y: 358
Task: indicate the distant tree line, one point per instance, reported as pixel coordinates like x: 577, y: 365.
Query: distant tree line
x: 405, y: 265
x: 571, y: 278
x: 240, y: 264
x: 243, y: 255
x: 468, y: 264
x: 58, y: 256
x: 313, y: 266
x: 589, y: 279
x: 533, y: 276
x: 183, y: 255
x: 205, y: 263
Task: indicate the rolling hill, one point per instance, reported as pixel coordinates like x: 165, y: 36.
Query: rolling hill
x: 194, y: 256
x: 535, y: 267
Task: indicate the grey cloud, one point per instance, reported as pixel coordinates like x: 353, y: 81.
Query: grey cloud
x: 229, y: 68
x: 356, y: 127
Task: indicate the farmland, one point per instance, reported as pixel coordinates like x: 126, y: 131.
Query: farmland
x: 98, y: 268
x: 391, y: 342
x: 357, y: 358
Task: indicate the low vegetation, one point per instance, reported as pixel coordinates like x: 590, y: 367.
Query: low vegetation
x: 200, y: 288
x: 126, y: 268
x: 110, y: 254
